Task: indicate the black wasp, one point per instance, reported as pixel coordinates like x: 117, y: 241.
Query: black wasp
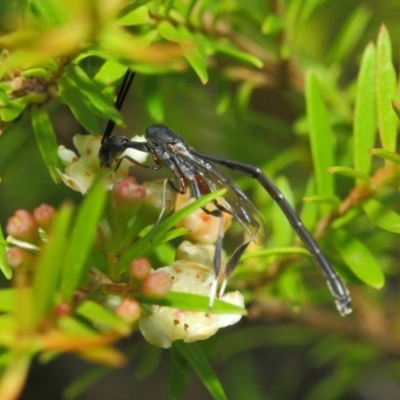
x: 191, y: 167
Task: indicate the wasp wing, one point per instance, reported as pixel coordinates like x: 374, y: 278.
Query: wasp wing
x: 235, y: 201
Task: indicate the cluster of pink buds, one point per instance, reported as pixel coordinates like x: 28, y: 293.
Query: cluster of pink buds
x: 26, y: 232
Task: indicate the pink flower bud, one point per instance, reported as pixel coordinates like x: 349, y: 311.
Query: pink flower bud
x: 23, y: 226
x: 157, y: 285
x: 140, y: 268
x: 44, y: 216
x: 129, y: 310
x: 128, y: 194
x: 19, y: 258
x: 62, y: 309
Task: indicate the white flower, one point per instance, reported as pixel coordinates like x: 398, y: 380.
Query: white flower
x: 81, y: 170
x: 167, y: 324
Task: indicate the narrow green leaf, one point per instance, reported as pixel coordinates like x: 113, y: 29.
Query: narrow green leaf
x: 5, y: 269
x: 179, y: 373
x: 97, y: 314
x: 169, y: 32
x: 334, y: 200
x: 386, y: 155
x: 192, y: 50
x: 73, y: 326
x: 347, y: 218
x: 359, y: 258
x: 276, y: 251
x: 78, y: 104
x: 309, y: 210
x: 154, y: 100
x: 383, y: 217
x: 350, y: 172
x: 109, y: 72
x: 386, y: 88
x: 49, y: 265
x: 321, y: 136
x: 147, y: 243
x: 46, y: 139
x: 196, y: 358
x: 100, y: 102
x: 365, y: 111
x: 243, y: 95
x: 194, y: 302
x: 228, y: 48
x: 84, y: 382
x: 82, y: 238
x: 194, y: 53
x: 349, y: 34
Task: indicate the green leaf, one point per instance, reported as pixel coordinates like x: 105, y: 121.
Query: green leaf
x: 272, y: 25
x: 350, y: 172
x: 46, y: 139
x: 196, y: 358
x: 52, y: 12
x: 84, y: 382
x: 321, y: 136
x: 139, y: 16
x: 309, y: 210
x: 179, y: 373
x: 243, y: 95
x: 154, y: 100
x: 46, y: 278
x: 290, y: 287
x: 97, y: 314
x: 223, y: 46
x: 35, y: 72
x: 193, y: 302
x: 359, y: 258
x: 100, y: 102
x: 276, y: 251
x: 7, y: 300
x: 334, y: 200
x: 14, y: 108
x: 78, y: 104
x: 5, y: 269
x: 109, y: 72
x: 169, y: 32
x: 349, y: 35
x: 3, y: 98
x: 386, y: 89
x: 147, y: 243
x: 386, y: 155
x: 383, y: 217
x: 82, y: 238
x: 365, y: 111
x: 193, y: 51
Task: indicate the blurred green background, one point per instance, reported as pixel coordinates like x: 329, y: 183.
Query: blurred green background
x: 280, y: 360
